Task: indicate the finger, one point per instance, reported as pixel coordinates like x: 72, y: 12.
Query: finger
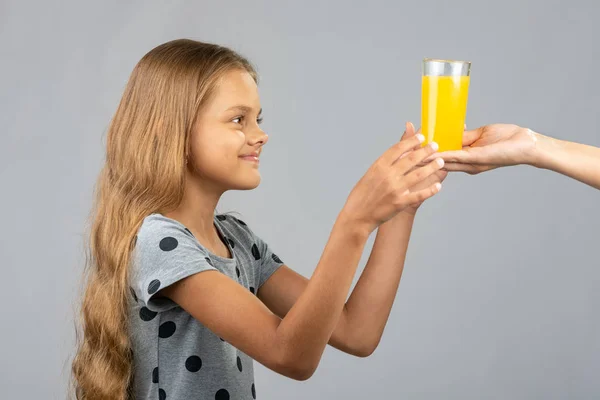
x: 409, y: 131
x: 429, y: 159
x: 420, y: 174
x: 458, y: 167
x: 404, y: 164
x: 458, y: 156
x: 421, y: 195
x: 466, y: 155
x: 469, y: 137
x: 441, y: 175
x: 401, y: 147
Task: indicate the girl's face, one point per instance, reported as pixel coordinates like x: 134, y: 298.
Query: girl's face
x: 226, y: 140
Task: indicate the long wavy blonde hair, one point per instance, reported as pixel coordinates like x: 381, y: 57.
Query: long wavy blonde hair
x: 144, y: 171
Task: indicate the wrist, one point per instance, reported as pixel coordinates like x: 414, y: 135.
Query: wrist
x: 407, y: 213
x: 402, y: 219
x: 544, y: 151
x: 356, y: 228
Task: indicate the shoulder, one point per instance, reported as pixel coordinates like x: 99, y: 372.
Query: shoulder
x: 234, y: 224
x: 158, y: 232
x: 240, y: 230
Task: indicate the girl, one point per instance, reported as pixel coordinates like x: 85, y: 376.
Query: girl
x: 179, y: 301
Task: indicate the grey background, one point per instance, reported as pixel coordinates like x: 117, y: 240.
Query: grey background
x: 500, y: 294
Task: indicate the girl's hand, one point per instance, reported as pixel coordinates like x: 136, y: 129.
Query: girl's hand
x: 436, y: 177
x: 385, y: 189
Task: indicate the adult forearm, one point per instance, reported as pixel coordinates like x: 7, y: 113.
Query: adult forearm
x: 578, y: 161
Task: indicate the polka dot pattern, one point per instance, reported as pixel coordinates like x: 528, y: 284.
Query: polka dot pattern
x: 222, y: 394
x: 255, y: 252
x: 180, y: 357
x: 193, y: 364
x: 153, y: 286
x: 168, y: 244
x: 135, y: 298
x: 166, y: 329
x: 241, y: 222
x: 147, y: 314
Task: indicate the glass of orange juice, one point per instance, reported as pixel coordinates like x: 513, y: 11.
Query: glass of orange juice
x: 444, y: 92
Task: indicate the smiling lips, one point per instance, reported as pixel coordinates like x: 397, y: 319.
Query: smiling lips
x: 253, y: 157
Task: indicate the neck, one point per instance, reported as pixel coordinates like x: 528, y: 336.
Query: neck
x: 197, y: 208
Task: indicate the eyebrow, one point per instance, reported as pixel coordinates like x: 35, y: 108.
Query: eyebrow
x: 243, y: 108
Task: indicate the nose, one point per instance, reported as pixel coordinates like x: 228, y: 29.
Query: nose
x: 257, y: 136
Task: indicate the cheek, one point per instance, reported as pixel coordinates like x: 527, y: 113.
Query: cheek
x: 233, y: 144
x: 212, y: 152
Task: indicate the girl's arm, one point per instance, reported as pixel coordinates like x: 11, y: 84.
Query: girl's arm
x: 366, y: 312
x: 293, y: 346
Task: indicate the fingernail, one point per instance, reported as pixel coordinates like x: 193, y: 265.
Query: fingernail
x: 440, y: 162
x: 434, y: 146
x: 421, y: 138
x: 438, y: 186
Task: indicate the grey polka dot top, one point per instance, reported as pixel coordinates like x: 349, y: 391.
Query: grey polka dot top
x: 175, y: 356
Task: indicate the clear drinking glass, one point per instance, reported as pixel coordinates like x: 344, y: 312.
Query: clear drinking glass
x: 444, y: 93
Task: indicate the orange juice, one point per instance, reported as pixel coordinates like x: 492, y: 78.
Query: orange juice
x: 443, y: 110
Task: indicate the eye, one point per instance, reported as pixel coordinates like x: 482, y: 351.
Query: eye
x: 259, y: 120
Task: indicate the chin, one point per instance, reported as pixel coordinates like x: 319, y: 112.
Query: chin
x: 248, y: 184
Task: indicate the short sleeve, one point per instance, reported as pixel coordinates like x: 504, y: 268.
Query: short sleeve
x: 165, y: 252
x: 269, y: 262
